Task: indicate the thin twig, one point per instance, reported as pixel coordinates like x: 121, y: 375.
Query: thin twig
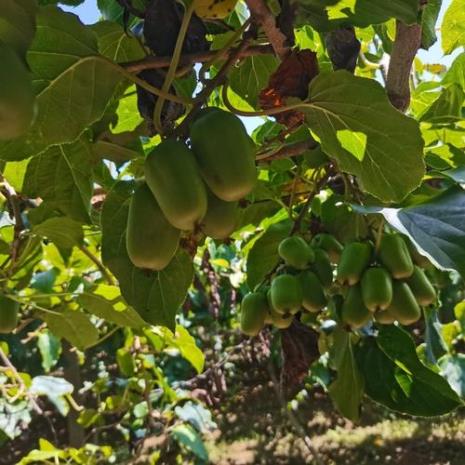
x: 20, y: 381
x: 214, y: 83
x: 288, y: 151
x: 153, y: 62
x: 13, y: 201
x: 105, y: 273
x: 263, y: 16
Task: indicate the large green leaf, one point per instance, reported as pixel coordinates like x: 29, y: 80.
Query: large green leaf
x: 248, y: 79
x: 17, y: 23
x: 73, y: 84
x: 436, y: 226
x: 455, y: 75
x: 325, y: 15
x: 62, y: 176
x: 347, y: 390
x: 453, y: 369
x: 429, y: 17
x: 116, y: 44
x: 73, y: 326
x: 263, y: 255
x: 447, y: 108
x: 392, y: 165
x: 156, y: 296
x: 396, y: 378
x: 453, y: 27
x: 109, y: 310
x: 64, y: 232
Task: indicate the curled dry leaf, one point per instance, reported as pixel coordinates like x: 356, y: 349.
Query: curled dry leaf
x: 291, y: 79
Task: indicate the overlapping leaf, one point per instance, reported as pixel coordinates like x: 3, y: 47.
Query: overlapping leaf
x: 392, y: 165
x: 155, y: 295
x: 74, y: 84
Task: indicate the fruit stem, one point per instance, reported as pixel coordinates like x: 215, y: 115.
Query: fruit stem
x: 173, y: 65
x: 379, y: 234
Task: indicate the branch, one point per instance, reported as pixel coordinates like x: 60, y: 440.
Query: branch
x: 20, y: 382
x: 15, y: 211
x: 404, y: 50
x: 263, y: 16
x: 214, y: 83
x: 154, y: 62
x: 105, y: 274
x: 288, y: 151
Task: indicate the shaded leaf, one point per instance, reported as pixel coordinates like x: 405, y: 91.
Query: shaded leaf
x: 74, y: 326
x: 73, y: 83
x: 263, y: 255
x: 399, y: 380
x: 64, y: 232
x: 347, y: 390
x: 62, y: 176
x: 248, y: 79
x: 155, y: 295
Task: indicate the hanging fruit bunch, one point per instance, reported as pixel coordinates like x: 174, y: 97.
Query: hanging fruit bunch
x: 362, y: 283
x: 194, y: 188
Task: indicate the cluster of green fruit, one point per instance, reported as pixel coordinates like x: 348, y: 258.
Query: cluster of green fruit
x: 191, y: 189
x: 17, y: 28
x: 388, y: 284
x: 305, y: 284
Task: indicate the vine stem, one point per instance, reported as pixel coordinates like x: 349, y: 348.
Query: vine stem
x: 20, y: 381
x: 173, y: 65
x: 268, y: 112
x: 212, y: 84
x: 211, y: 56
x: 137, y: 80
x: 108, y: 278
x: 224, y: 50
x: 292, y: 417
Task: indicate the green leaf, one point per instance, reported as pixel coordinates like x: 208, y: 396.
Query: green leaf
x: 55, y: 389
x: 125, y: 361
x: 397, y: 379
x: 191, y: 440
x: 73, y: 83
x: 113, y: 311
x: 435, y: 345
x: 263, y: 256
x: 188, y: 348
x: 447, y: 108
x: 325, y: 15
x: 347, y: 390
x: 393, y: 163
x: 17, y: 24
x: 128, y: 114
x: 436, y: 226
x: 248, y: 79
x: 114, y: 43
x: 455, y: 75
x: 453, y: 27
x: 74, y: 326
x: 62, y: 176
x: 429, y: 17
x: 453, y: 369
x: 354, y: 142
x: 64, y: 232
x: 156, y: 296
x: 50, y: 349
